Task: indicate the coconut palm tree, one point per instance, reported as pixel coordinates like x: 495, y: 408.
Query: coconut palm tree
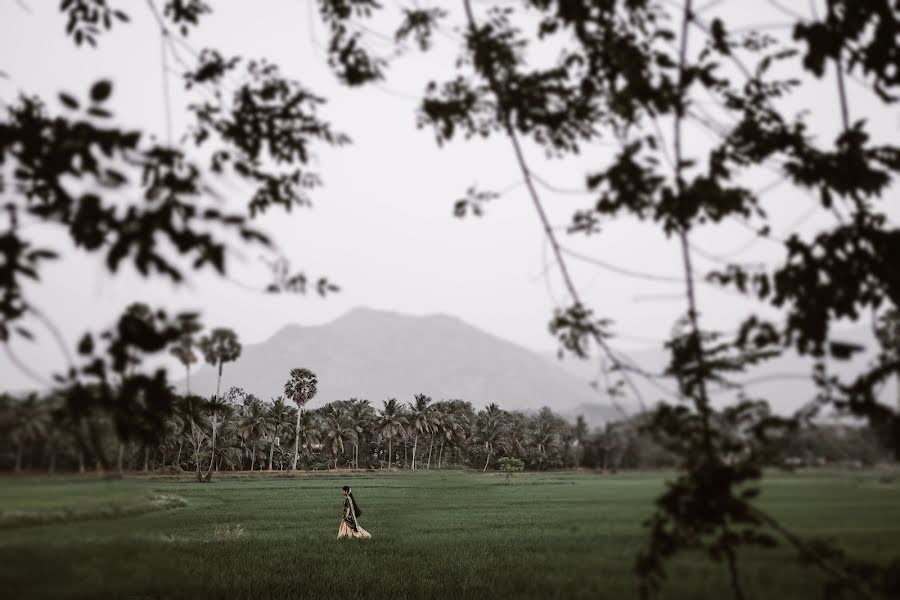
x: 580, y: 432
x: 544, y: 435
x: 361, y: 416
x: 219, y: 347
x: 277, y: 416
x: 390, y: 423
x: 489, y: 430
x: 420, y: 421
x: 31, y: 422
x: 253, y: 425
x: 217, y: 410
x: 183, y: 349
x: 310, y: 434
x: 515, y: 434
x: 336, y: 429
x: 300, y: 387
x: 461, y: 432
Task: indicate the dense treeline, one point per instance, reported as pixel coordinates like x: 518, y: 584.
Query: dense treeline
x: 254, y: 434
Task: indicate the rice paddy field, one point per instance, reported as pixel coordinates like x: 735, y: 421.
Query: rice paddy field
x: 435, y: 535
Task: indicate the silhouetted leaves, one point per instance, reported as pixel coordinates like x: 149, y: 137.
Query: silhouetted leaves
x: 473, y: 202
x: 87, y: 18
x: 419, y: 23
x: 101, y: 91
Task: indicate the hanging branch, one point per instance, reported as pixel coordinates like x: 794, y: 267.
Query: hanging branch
x: 542, y: 215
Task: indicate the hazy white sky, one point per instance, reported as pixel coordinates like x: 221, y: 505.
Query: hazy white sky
x: 382, y: 225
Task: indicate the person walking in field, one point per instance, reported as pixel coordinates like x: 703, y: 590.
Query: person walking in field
x: 350, y: 527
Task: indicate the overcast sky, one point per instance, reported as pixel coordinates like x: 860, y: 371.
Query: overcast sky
x: 382, y: 225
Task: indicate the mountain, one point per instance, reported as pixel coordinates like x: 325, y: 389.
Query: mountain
x: 377, y: 355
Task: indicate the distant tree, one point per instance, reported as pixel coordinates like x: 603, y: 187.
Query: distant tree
x: 253, y: 425
x: 360, y: 415
x: 420, y: 421
x: 217, y: 409
x: 310, y: 431
x: 391, y: 422
x: 31, y: 423
x: 301, y: 388
x: 510, y: 465
x: 183, y: 350
x: 451, y: 427
x: 277, y: 417
x: 544, y: 435
x: 489, y: 430
x: 219, y: 347
x: 581, y: 434
x: 336, y: 429
x: 515, y: 434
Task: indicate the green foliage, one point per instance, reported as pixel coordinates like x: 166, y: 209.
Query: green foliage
x: 510, y: 465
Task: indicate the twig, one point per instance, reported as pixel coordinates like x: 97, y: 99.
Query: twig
x: 542, y: 215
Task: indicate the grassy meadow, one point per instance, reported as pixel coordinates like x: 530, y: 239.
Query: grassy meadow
x: 435, y: 535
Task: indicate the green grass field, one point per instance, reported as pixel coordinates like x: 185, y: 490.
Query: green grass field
x: 436, y: 535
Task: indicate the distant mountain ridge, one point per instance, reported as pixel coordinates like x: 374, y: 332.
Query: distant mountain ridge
x: 377, y: 354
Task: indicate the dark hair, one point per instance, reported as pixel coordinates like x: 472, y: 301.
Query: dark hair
x: 356, y: 509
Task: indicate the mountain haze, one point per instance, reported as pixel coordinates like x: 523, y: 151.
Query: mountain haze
x: 377, y: 355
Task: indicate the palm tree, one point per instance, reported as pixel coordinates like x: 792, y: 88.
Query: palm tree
x: 390, y: 423
x: 300, y: 387
x: 580, y: 432
x: 278, y: 414
x: 515, y: 434
x: 336, y: 428
x: 308, y: 431
x: 420, y: 421
x: 489, y: 430
x: 30, y: 424
x: 360, y: 416
x: 217, y: 409
x: 437, y: 429
x: 545, y: 434
x: 461, y: 425
x: 192, y: 408
x: 183, y: 349
x: 452, y: 429
x: 219, y: 347
x: 253, y: 424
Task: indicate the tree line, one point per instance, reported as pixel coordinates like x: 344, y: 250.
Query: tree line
x: 238, y: 431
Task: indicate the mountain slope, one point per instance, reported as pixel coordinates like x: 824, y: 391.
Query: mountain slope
x: 376, y: 355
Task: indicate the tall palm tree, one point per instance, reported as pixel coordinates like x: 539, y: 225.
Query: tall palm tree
x: 300, y: 387
x: 462, y: 424
x: 515, y: 434
x: 253, y: 425
x: 31, y: 423
x: 217, y: 410
x: 489, y: 430
x: 390, y: 423
x: 183, y: 349
x: 219, y: 347
x: 309, y: 433
x: 544, y: 434
x: 336, y: 428
x: 420, y: 421
x: 360, y: 415
x: 580, y: 433
x: 277, y: 416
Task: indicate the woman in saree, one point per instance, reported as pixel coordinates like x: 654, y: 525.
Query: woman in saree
x: 350, y: 527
